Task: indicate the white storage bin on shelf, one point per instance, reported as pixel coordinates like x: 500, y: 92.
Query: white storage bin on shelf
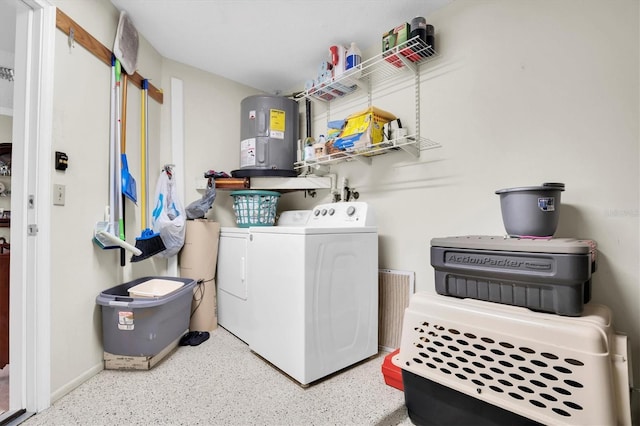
x: 402, y: 60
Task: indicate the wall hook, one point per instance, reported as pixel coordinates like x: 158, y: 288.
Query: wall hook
x: 168, y: 169
x: 72, y: 40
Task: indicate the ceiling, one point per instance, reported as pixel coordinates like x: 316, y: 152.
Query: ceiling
x: 271, y: 45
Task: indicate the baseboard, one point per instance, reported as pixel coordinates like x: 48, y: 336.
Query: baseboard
x: 62, y: 391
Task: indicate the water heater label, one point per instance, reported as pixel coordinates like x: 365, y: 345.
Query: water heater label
x: 248, y: 152
x: 277, y: 119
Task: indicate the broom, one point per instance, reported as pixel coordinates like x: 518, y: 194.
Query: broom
x: 149, y: 243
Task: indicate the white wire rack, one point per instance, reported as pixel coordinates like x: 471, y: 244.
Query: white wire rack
x: 406, y: 57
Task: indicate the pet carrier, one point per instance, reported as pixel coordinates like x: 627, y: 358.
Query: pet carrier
x: 493, y: 360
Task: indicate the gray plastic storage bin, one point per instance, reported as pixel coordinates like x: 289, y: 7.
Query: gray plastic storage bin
x: 143, y: 326
x: 551, y: 275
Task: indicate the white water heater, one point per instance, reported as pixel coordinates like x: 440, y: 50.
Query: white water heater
x: 268, y: 136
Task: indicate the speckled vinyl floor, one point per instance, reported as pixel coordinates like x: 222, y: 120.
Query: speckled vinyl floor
x: 221, y: 382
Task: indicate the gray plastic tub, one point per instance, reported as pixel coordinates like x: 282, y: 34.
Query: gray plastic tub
x: 144, y: 326
x: 531, y: 210
x: 543, y: 275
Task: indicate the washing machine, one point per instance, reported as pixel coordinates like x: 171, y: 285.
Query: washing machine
x: 233, y: 286
x: 314, y: 291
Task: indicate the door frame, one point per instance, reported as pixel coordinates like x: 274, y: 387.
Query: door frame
x: 30, y: 282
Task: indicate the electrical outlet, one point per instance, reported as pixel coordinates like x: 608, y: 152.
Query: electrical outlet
x: 58, y: 195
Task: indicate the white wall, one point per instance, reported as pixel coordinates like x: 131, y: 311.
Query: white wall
x: 211, y: 129
x: 524, y: 92
x: 81, y: 270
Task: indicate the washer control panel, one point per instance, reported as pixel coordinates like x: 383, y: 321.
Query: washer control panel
x: 294, y: 218
x: 342, y: 214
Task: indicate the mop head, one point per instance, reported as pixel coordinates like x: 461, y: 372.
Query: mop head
x: 150, y: 244
x: 125, y: 47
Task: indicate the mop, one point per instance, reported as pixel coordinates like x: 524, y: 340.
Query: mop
x: 104, y: 232
x: 125, y: 49
x: 149, y: 243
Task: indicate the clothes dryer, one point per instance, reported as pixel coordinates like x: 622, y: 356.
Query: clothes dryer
x: 232, y: 288
x: 233, y: 285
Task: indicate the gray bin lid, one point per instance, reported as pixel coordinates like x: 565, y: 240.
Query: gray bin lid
x: 500, y: 243
x: 547, y: 186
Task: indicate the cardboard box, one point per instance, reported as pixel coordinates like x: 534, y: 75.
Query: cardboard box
x: 363, y: 129
x: 197, y: 260
x: 394, y: 38
x: 126, y: 362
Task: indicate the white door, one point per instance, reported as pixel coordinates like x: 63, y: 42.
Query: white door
x: 30, y: 205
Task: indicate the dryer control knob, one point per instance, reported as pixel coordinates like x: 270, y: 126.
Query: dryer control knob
x: 316, y: 212
x: 331, y: 212
x: 351, y: 211
x: 324, y: 212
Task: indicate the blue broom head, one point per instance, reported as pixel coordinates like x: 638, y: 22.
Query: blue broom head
x: 148, y: 234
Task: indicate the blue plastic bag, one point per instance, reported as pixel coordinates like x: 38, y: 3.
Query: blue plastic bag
x: 168, y: 216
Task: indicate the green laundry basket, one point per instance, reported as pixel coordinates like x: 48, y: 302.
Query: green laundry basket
x: 254, y: 207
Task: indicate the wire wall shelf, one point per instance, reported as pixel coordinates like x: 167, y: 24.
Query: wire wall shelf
x: 411, y: 144
x: 406, y: 57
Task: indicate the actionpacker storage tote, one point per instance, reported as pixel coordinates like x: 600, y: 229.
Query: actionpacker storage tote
x: 468, y: 361
x: 551, y: 275
x: 141, y: 323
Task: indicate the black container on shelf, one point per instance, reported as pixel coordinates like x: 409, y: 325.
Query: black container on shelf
x: 420, y: 28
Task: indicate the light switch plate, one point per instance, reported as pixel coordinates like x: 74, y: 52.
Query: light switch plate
x: 58, y: 195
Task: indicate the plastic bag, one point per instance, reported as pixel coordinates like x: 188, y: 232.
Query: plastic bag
x: 197, y: 209
x: 168, y: 216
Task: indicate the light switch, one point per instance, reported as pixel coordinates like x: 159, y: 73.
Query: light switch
x: 58, y: 195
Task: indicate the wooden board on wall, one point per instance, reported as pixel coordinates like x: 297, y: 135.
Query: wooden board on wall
x: 86, y: 40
